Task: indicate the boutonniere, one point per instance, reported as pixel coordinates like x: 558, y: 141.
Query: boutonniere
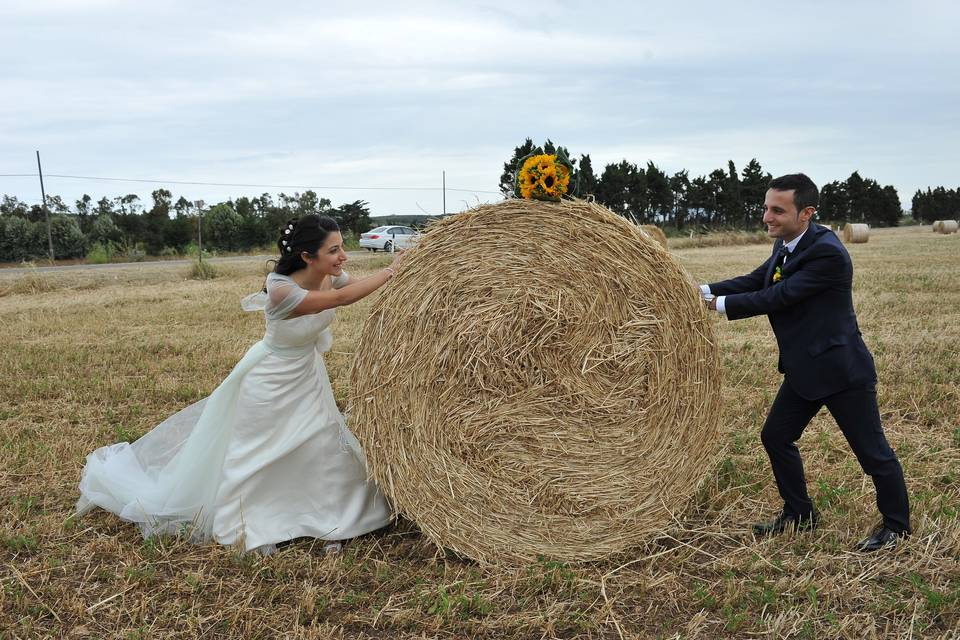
x: 778, y: 274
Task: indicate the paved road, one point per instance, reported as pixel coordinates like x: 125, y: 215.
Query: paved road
x: 150, y: 264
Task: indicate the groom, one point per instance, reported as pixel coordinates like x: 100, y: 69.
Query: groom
x: 804, y: 289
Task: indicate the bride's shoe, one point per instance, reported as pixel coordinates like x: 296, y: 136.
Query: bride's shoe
x: 265, y: 550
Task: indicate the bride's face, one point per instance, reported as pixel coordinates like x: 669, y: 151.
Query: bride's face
x: 330, y: 256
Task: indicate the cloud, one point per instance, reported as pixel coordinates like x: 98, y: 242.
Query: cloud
x: 387, y: 95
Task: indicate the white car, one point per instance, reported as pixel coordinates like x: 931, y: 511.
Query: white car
x: 389, y: 238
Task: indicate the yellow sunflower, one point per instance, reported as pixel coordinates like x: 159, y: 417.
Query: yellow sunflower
x: 546, y: 162
x: 530, y: 163
x: 548, y: 181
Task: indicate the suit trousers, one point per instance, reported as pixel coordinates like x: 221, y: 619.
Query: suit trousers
x: 858, y: 417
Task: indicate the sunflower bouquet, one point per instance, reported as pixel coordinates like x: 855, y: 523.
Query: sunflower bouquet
x: 543, y: 176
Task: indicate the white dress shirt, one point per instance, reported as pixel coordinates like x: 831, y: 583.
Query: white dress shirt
x: 721, y: 300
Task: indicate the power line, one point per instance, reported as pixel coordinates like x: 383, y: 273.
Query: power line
x: 242, y: 184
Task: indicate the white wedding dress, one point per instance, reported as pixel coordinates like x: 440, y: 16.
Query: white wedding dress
x: 267, y: 457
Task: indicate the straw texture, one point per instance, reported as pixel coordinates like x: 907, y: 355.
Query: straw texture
x: 945, y: 226
x: 656, y: 233
x: 539, y: 379
x: 856, y: 232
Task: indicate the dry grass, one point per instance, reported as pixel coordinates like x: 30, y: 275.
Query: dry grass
x: 719, y: 239
x: 90, y: 363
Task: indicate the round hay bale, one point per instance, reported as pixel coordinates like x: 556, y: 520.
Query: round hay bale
x: 946, y: 226
x: 656, y: 233
x: 550, y: 387
x: 855, y: 232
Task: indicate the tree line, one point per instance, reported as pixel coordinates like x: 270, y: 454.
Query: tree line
x: 125, y: 225
x: 724, y: 198
x: 936, y: 204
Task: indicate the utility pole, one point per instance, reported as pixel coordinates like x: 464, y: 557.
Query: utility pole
x: 199, y: 205
x: 444, y: 192
x: 46, y: 212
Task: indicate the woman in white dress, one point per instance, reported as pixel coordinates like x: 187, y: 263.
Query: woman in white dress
x: 267, y: 457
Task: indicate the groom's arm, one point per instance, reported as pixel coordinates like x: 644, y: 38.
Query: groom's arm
x: 752, y: 281
x: 818, y: 273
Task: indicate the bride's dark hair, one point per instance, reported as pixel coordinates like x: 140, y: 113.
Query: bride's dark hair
x: 303, y: 235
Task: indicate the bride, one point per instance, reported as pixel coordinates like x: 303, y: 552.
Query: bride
x: 267, y: 457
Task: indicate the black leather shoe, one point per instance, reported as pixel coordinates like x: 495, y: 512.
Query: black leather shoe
x: 881, y: 538
x: 786, y: 521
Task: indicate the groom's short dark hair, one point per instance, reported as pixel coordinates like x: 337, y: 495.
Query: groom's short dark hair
x: 805, y: 192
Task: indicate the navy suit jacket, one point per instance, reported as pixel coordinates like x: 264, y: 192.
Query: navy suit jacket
x: 811, y: 312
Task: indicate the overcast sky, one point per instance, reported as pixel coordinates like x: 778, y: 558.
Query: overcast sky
x: 391, y: 94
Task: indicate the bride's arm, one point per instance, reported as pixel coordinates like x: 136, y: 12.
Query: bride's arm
x: 316, y: 301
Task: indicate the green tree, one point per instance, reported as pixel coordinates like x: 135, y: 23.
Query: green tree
x: 834, y: 202
x: 730, y: 200
x: 10, y: 205
x: 701, y: 199
x: 753, y: 189
x: 68, y: 240
x: 584, y: 179
x: 83, y: 212
x: 104, y: 231
x: 659, y: 195
x: 18, y: 241
x: 716, y: 182
x: 614, y: 187
x: 856, y: 198
x: 253, y: 232
x: 104, y: 207
x: 156, y: 221
x: 222, y: 227
x: 679, y: 191
x: 354, y: 217
x: 891, y: 210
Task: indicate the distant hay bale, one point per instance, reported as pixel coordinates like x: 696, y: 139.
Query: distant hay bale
x: 945, y: 226
x: 656, y: 233
x: 855, y: 232
x: 549, y: 387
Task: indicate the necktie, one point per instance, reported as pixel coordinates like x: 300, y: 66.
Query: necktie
x: 778, y: 265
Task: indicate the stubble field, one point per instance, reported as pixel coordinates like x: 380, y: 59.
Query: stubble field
x: 91, y: 358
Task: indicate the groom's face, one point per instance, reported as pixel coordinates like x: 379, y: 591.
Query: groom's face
x: 781, y: 216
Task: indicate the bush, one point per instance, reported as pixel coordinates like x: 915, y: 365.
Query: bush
x: 21, y: 239
x: 68, y: 240
x: 17, y: 239
x: 351, y: 242
x: 203, y: 271
x: 104, y: 230
x: 169, y: 252
x: 193, y: 249
x: 223, y: 226
x: 101, y: 253
x: 135, y: 252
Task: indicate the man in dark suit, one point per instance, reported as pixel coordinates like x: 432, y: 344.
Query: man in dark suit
x: 804, y: 288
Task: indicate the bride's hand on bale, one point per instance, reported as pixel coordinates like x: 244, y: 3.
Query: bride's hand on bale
x: 395, y: 265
